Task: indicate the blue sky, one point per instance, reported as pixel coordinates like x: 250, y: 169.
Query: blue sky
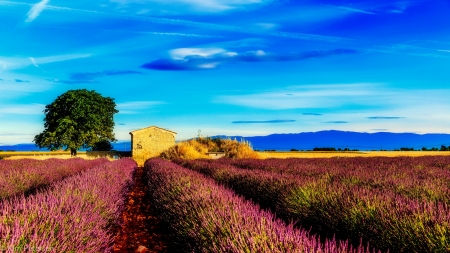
x: 230, y: 67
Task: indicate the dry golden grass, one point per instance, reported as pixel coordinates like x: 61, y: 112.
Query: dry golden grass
x: 44, y: 155
x: 198, y: 148
x: 321, y: 154
x: 186, y: 150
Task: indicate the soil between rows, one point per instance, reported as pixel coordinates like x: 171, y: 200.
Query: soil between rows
x: 141, y: 230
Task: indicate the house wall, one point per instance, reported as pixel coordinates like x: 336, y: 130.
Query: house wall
x: 150, y: 142
x: 216, y: 155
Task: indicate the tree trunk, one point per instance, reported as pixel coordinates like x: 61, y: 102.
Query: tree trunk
x: 73, y: 152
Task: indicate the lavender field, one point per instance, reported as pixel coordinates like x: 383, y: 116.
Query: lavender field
x: 20, y: 176
x: 396, y: 204
x: 207, y: 217
x: 76, y: 214
x: 358, y: 205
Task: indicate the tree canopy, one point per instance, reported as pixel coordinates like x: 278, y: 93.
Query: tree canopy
x: 77, y: 119
x: 104, y: 145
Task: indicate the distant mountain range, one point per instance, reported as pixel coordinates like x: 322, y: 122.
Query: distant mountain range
x: 344, y: 139
x: 311, y: 140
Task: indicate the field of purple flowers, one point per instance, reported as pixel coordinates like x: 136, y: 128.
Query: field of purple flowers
x: 396, y: 204
x: 76, y: 214
x: 20, y: 176
x: 207, y: 217
x: 376, y: 204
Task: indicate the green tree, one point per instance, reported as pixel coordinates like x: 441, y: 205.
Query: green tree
x: 104, y: 145
x: 77, y: 119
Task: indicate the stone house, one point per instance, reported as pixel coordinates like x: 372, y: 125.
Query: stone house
x: 150, y: 142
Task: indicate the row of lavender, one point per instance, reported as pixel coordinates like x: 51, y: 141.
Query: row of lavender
x: 384, y: 218
x: 206, y: 217
x: 19, y: 176
x: 424, y: 177
x: 77, y: 214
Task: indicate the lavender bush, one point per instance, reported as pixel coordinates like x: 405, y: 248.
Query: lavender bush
x: 424, y: 178
x: 77, y: 214
x: 206, y: 217
x: 336, y: 202
x: 18, y: 176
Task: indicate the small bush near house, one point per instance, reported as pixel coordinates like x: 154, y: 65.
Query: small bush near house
x: 199, y: 147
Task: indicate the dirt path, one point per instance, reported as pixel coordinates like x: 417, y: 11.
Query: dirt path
x: 141, y: 232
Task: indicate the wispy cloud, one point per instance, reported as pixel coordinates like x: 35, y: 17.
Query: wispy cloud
x: 336, y: 122
x: 202, y: 6
x: 36, y: 10
x: 395, y: 7
x: 382, y: 117
x: 60, y: 58
x: 9, y: 63
x: 264, y: 121
x: 312, y: 114
x: 21, y: 81
x: 194, y: 24
x: 307, y: 97
x: 92, y: 75
x: 134, y: 106
x: 211, y: 58
x: 13, y: 134
x: 89, y: 77
x: 168, y: 34
x: 56, y: 80
x: 379, y: 129
x: 354, y: 10
x: 10, y: 87
x: 33, y: 61
x: 26, y: 109
x: 351, y: 9
x: 399, y: 7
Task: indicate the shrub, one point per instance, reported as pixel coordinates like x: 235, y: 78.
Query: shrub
x: 103, y: 145
x: 199, y: 147
x: 324, y: 149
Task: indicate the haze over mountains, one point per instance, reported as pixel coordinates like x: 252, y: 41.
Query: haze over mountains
x: 311, y: 140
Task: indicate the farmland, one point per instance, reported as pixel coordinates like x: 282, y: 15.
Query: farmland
x: 325, y: 154
x: 75, y: 211
x: 338, y: 204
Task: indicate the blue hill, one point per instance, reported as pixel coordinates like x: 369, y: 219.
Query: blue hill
x: 344, y: 139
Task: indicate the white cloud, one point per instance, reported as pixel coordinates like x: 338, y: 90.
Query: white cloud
x: 36, y: 10
x: 33, y: 61
x: 211, y: 65
x: 26, y: 109
x: 10, y: 89
x: 266, y: 26
x: 199, y: 5
x: 181, y: 53
x: 134, y: 106
x: 202, y: 25
x: 354, y: 10
x: 20, y: 62
x: 424, y: 108
x: 308, y: 96
x: 59, y: 58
